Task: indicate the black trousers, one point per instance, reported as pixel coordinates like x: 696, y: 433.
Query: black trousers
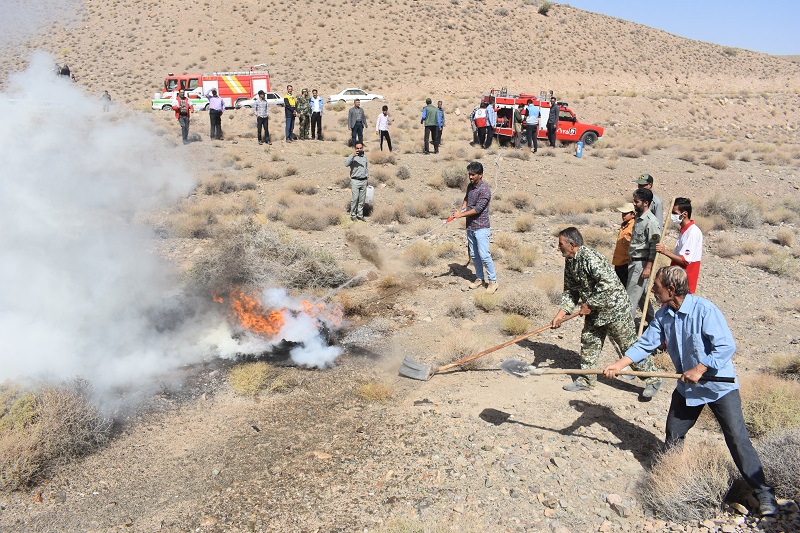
x: 532, y: 131
x: 622, y: 274
x: 551, y: 134
x: 216, y: 123
x: 728, y: 412
x: 263, y: 122
x: 385, y: 133
x: 489, y: 136
x: 316, y: 125
x: 431, y: 133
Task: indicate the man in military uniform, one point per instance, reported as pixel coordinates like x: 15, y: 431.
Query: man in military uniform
x: 589, y: 279
x: 645, y: 181
x: 304, y: 112
x: 642, y: 251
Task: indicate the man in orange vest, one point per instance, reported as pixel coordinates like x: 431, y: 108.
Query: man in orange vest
x: 183, y: 110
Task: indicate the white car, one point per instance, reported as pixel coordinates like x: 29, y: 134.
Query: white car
x: 272, y: 99
x: 349, y: 95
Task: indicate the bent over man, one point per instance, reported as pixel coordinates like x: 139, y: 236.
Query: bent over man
x: 699, y: 343
x: 590, y: 280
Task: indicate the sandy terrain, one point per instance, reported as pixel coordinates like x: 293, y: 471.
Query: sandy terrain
x: 466, y: 451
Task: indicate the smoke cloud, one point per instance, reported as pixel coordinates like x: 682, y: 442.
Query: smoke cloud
x: 83, y: 294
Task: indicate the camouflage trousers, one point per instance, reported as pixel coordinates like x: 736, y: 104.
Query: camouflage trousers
x: 305, y: 122
x: 623, y: 333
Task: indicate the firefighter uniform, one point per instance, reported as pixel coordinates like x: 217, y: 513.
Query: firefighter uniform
x: 304, y: 113
x: 589, y: 278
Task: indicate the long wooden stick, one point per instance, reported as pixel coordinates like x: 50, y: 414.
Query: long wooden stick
x: 653, y: 270
x: 584, y: 371
x: 503, y: 345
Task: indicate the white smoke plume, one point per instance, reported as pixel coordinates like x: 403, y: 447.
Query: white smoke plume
x: 82, y: 292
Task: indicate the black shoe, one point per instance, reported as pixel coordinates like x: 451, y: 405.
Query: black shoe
x: 767, y: 506
x: 361, y: 219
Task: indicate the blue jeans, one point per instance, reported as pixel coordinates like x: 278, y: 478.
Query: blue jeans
x: 478, y: 241
x: 357, y: 131
x: 728, y: 412
x: 289, y: 127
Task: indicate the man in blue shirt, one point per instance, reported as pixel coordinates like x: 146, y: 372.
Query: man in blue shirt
x: 699, y: 343
x: 532, y: 114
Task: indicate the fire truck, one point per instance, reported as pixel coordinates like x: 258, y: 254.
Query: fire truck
x: 569, y: 128
x: 232, y: 87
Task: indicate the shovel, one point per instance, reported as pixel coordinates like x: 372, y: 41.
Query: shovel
x: 414, y: 370
x: 521, y: 369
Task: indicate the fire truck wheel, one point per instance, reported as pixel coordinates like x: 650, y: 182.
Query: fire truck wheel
x: 166, y: 107
x: 589, y: 138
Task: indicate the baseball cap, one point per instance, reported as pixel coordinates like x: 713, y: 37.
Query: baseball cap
x: 644, y: 179
x: 626, y: 208
x: 261, y: 92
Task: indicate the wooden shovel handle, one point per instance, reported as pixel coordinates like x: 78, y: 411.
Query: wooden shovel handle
x: 664, y: 228
x: 668, y: 375
x: 499, y: 346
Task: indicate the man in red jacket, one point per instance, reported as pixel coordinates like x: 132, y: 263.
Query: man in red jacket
x: 183, y: 110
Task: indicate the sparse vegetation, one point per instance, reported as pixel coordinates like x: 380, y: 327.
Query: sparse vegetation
x: 249, y: 379
x: 459, y: 308
x: 420, y: 254
x: 375, y: 392
x: 515, y: 325
x: 485, y: 301
x: 454, y: 177
x: 530, y: 302
x: 740, y: 212
x: 524, y: 223
x: 778, y: 452
x: 770, y: 403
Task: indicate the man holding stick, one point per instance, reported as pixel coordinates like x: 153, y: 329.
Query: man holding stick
x: 699, y: 342
x: 590, y: 280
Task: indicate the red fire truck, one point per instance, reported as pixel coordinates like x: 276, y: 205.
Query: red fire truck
x: 569, y: 128
x: 232, y: 87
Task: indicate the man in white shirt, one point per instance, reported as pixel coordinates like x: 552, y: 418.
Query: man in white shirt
x: 689, y: 248
x: 317, y: 105
x: 382, y: 127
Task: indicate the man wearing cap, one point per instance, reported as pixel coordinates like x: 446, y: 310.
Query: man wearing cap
x: 304, y: 113
x: 317, y: 106
x: 620, y: 259
x: 261, y: 111
x: 657, y: 207
x: 642, y: 251
x: 689, y: 248
x: 216, y: 106
x: 552, y: 121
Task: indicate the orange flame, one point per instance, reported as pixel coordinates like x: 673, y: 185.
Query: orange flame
x: 255, y: 317
x: 334, y: 315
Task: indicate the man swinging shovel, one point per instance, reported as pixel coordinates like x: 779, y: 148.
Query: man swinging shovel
x: 590, y: 280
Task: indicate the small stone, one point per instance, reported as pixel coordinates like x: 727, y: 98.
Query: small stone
x: 208, y: 521
x: 613, y: 499
x: 739, y: 508
x: 727, y: 528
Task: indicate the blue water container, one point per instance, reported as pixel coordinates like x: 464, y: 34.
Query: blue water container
x: 579, y: 149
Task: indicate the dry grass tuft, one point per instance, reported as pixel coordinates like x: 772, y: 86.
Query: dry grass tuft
x: 740, y: 212
x: 420, y: 254
x: 519, y: 199
x: 302, y: 187
x: 460, y: 347
x: 454, y: 177
x: 506, y: 241
x: 785, y: 237
x: 386, y: 214
x: 778, y: 452
x: 382, y: 158
x: 515, y: 325
x: 770, y: 403
x: 310, y: 218
x: 780, y: 263
x: 531, y: 302
x: 265, y: 172
x: 403, y: 173
x: 429, y: 206
x: 248, y: 379
x: 688, y: 483
x: 784, y: 364
x: 485, y: 301
x: 521, y: 258
x: 552, y: 285
x: 597, y: 238
x: 458, y: 308
x: 449, y: 249
x: 524, y: 223
x: 375, y: 392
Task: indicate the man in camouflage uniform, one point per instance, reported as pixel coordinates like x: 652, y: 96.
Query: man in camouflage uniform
x: 304, y: 113
x: 589, y: 279
x: 642, y: 252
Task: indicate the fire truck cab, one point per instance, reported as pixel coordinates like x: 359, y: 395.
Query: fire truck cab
x: 232, y: 87
x: 569, y: 129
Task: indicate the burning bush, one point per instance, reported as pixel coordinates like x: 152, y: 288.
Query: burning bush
x: 42, y: 428
x: 250, y: 254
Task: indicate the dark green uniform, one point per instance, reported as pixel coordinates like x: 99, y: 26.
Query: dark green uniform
x: 304, y: 114
x: 589, y: 278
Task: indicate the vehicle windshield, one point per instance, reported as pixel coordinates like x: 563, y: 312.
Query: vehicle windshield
x: 170, y: 84
x: 193, y: 83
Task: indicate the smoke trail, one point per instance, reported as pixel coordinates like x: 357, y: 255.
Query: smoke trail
x: 23, y: 18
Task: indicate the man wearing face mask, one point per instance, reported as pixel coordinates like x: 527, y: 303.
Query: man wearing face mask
x: 689, y: 248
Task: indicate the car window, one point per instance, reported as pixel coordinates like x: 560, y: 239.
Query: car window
x: 359, y: 91
x: 193, y: 83
x: 565, y: 115
x: 273, y: 95
x: 171, y: 84
x: 350, y: 91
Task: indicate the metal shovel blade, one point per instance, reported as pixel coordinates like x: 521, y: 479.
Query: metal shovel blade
x: 516, y: 368
x: 414, y: 370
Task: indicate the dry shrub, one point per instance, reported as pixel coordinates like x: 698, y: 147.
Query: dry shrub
x: 382, y: 158
x: 709, y: 224
x: 520, y: 199
x: 403, y: 173
x: 502, y: 206
x: 687, y: 156
x: 597, y: 238
x: 449, y: 249
x: 302, y: 187
x: 784, y: 364
x: 485, y: 301
x: 688, y: 483
x: 725, y: 245
x: 352, y: 303
x: 249, y: 379
x: 718, y: 162
x: 389, y: 282
x: 459, y: 347
x: 780, y: 263
x: 458, y: 308
x: 524, y: 223
x: 785, y: 237
x: 526, y: 301
x: 251, y: 254
x: 429, y: 206
x: 435, y: 181
x: 222, y: 185
x: 454, y: 177
x: 750, y: 247
x: 779, y: 215
x: 420, y: 253
x: 367, y: 247
x: 515, y: 325
x: 310, y: 218
x: 66, y: 425
x: 521, y: 258
x: 552, y: 285
x: 290, y: 170
x: 506, y: 241
x: 769, y: 403
x: 740, y: 212
x: 632, y: 153
x: 778, y: 452
x: 386, y: 214
x: 375, y: 392
x: 265, y: 172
